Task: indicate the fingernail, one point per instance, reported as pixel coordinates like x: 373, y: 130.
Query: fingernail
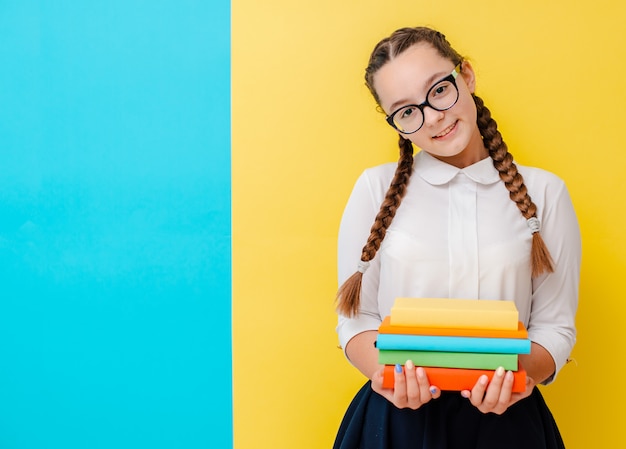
x: 398, y: 368
x: 483, y: 380
x: 465, y: 394
x: 409, y: 364
x: 500, y: 372
x: 433, y: 390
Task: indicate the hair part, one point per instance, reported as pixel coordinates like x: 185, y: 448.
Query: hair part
x: 401, y: 40
x: 349, y: 294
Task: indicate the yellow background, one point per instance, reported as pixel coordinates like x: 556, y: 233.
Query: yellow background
x: 304, y: 127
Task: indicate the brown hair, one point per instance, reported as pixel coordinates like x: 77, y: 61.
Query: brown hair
x: 349, y: 294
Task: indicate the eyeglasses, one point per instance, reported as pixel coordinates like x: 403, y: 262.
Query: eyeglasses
x: 441, y: 96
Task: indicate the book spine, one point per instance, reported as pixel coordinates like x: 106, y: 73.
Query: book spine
x: 453, y: 344
x: 440, y: 359
x: 455, y: 318
x: 455, y: 379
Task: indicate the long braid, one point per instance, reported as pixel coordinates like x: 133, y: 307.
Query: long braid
x: 541, y: 261
x: 349, y: 294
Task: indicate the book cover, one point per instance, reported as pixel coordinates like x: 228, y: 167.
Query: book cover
x: 456, y: 379
x: 446, y: 312
x: 471, y: 360
x: 453, y: 344
x: 387, y: 328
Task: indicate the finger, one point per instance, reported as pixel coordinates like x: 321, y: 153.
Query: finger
x: 435, y: 392
x: 530, y: 384
x: 507, y: 389
x: 377, y: 381
x: 478, y: 392
x: 504, y: 401
x: 377, y: 386
x: 399, y: 386
x: 424, y: 385
x: 412, y: 388
x: 492, y: 395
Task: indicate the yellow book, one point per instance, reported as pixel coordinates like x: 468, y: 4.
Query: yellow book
x: 455, y: 313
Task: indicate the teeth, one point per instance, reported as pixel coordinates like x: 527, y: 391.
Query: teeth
x: 446, y: 131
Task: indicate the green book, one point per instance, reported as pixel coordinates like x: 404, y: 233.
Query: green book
x: 468, y: 360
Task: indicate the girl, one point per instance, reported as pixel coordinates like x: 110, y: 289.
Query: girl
x: 457, y: 221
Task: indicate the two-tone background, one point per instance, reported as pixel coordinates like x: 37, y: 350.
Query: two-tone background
x: 172, y: 174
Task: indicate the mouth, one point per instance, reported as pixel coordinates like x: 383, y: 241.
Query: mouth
x: 446, y: 131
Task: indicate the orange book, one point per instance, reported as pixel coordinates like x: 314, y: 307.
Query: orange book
x: 456, y: 379
x: 387, y: 328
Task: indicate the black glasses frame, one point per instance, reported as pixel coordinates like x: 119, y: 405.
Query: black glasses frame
x: 451, y: 77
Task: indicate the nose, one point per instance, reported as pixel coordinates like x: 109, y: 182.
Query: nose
x: 432, y: 116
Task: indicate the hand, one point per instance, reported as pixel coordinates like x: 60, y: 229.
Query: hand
x: 411, y: 387
x: 496, y: 396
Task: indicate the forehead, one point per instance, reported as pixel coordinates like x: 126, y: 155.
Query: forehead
x: 410, y: 74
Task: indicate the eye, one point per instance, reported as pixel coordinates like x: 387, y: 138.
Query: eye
x: 439, y: 89
x: 406, y: 112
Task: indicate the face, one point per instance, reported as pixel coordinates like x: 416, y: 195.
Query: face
x: 452, y: 135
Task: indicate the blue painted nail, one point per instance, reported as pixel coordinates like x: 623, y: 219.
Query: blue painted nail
x: 398, y: 368
x: 433, y: 390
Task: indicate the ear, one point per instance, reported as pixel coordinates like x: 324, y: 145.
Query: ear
x: 467, y: 72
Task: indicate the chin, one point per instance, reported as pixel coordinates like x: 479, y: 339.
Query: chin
x: 451, y: 152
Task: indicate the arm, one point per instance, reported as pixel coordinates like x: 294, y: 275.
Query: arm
x: 539, y: 364
x: 554, y: 303
x: 362, y: 353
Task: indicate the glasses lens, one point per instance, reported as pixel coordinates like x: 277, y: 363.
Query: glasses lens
x: 443, y: 95
x: 408, y: 119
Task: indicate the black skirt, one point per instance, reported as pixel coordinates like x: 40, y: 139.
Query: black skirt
x: 449, y: 422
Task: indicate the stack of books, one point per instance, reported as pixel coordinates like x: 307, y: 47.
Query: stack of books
x: 455, y: 340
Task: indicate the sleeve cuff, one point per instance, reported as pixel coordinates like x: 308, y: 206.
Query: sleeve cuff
x: 559, y: 348
x: 348, y: 328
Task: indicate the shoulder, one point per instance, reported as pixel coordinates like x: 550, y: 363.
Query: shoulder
x: 379, y: 176
x: 375, y: 180
x: 545, y: 188
x: 383, y: 171
x: 370, y: 189
x: 539, y: 178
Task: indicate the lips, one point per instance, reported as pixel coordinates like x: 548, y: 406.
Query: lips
x: 445, y: 132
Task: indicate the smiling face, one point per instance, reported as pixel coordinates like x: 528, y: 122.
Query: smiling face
x: 452, y: 135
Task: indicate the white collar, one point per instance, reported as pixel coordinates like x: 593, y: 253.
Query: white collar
x: 437, y: 172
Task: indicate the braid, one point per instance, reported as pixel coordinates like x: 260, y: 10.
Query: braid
x: 349, y: 294
x: 541, y: 260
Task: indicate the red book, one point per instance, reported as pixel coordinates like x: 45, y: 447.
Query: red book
x: 387, y: 328
x: 457, y: 379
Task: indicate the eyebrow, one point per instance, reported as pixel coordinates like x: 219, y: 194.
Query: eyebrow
x: 428, y: 83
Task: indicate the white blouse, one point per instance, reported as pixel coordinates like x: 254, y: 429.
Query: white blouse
x: 457, y: 234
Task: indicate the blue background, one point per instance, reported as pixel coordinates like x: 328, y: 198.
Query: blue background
x: 115, y: 283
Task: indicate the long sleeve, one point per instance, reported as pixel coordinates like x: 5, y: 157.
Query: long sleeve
x: 358, y: 217
x: 555, y: 295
